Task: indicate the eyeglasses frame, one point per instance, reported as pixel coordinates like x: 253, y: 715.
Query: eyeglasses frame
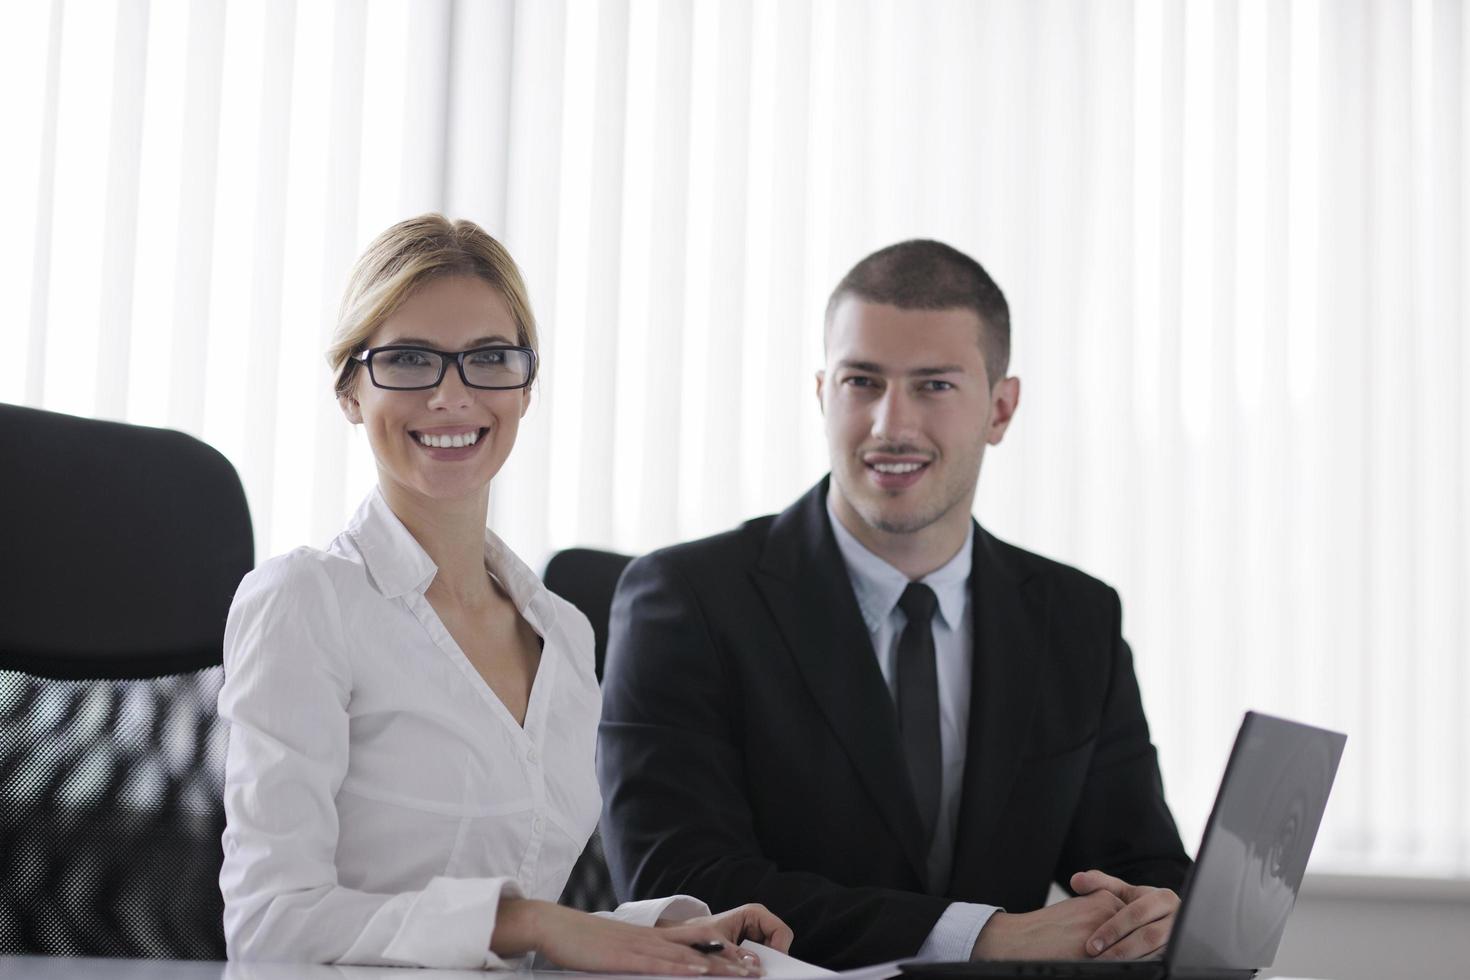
x: 365, y: 357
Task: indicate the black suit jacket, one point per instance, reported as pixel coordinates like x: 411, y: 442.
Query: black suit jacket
x: 749, y: 748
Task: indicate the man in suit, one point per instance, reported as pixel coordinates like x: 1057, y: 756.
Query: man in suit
x: 867, y: 713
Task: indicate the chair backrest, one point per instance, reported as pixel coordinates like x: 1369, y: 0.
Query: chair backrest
x: 587, y: 579
x: 122, y: 548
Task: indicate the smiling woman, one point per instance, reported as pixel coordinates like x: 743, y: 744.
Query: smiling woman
x: 418, y: 413
x: 412, y: 714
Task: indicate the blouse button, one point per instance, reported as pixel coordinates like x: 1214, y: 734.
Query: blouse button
x: 538, y: 825
x: 532, y: 756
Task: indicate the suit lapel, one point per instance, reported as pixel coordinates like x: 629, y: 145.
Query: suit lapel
x: 1009, y: 643
x: 805, y: 584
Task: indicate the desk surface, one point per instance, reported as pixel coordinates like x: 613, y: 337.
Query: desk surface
x: 71, y: 968
x: 778, y: 967
x: 77, y: 968
x: 86, y: 968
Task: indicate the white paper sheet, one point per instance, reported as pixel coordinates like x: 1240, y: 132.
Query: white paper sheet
x: 779, y: 966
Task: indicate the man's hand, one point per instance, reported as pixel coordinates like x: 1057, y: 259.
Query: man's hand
x: 1140, y: 928
x: 1056, y: 932
x: 744, y: 922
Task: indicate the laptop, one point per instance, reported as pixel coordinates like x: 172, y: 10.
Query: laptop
x: 1234, y: 905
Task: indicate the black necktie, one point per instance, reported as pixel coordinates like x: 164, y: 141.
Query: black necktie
x: 918, y: 701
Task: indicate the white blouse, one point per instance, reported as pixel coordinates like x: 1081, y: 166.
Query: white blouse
x: 379, y: 797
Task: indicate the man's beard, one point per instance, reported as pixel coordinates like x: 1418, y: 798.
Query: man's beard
x: 873, y: 515
x: 910, y: 525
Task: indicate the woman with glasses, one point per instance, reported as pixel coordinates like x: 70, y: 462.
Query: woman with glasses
x: 412, y: 714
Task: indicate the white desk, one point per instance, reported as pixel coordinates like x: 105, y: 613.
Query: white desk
x: 88, y: 968
x: 76, y: 968
x: 778, y: 966
x: 68, y: 968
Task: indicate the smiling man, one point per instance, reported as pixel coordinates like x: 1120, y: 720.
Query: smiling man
x: 867, y: 713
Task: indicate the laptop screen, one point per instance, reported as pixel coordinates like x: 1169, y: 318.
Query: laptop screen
x: 1255, y: 847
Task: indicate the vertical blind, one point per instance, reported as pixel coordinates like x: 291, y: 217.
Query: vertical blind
x: 1232, y: 233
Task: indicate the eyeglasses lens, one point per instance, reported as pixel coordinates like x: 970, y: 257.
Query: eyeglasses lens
x: 405, y: 368
x: 497, y: 368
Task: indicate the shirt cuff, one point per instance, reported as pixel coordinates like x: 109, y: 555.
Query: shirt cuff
x: 652, y: 911
x: 953, y: 937
x: 447, y: 924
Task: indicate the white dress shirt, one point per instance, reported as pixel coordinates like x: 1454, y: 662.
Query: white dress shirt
x: 380, y: 798
x: 878, y: 587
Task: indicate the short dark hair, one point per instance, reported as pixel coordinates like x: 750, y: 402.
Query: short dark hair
x: 922, y: 274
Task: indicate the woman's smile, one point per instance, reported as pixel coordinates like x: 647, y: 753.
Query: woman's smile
x: 450, y: 442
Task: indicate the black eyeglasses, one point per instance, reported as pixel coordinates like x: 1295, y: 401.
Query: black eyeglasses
x: 400, y: 367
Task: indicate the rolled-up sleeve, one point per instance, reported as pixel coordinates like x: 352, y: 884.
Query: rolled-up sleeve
x: 287, y: 688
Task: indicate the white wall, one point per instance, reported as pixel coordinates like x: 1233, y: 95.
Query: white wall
x: 1359, y: 928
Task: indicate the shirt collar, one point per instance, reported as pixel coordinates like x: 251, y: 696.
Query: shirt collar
x: 399, y: 565
x: 878, y: 585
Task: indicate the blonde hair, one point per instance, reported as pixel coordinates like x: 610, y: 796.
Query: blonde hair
x: 404, y: 258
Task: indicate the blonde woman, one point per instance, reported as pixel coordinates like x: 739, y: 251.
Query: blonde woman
x: 412, y: 714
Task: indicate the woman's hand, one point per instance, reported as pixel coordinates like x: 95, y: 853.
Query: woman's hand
x: 579, y: 941
x: 744, y: 922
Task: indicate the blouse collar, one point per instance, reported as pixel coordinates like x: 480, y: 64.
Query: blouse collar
x: 399, y: 565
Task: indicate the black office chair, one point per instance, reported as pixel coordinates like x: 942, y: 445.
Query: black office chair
x: 586, y: 579
x: 122, y: 548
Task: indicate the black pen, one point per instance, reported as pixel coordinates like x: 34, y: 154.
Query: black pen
x: 707, y: 947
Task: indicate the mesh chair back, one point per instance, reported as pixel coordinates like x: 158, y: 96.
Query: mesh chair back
x: 111, y: 816
x: 587, y: 579
x: 123, y: 548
